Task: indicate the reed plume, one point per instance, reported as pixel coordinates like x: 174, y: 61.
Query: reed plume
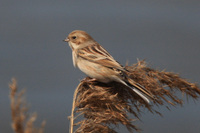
x: 99, y: 107
x: 22, y: 121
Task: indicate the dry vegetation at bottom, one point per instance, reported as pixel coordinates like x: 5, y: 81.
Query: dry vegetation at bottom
x: 22, y: 121
x: 103, y: 106
x: 99, y: 107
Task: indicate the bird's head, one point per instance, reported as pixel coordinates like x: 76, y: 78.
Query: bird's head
x: 78, y: 39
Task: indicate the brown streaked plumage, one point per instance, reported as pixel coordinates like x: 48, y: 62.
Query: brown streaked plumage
x: 92, y: 59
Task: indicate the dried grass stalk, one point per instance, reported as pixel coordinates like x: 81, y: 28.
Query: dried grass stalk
x: 22, y: 122
x: 104, y: 106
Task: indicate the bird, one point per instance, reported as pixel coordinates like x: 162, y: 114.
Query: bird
x: 93, y: 60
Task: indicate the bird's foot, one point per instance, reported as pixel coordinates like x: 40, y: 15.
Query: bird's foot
x: 88, y: 79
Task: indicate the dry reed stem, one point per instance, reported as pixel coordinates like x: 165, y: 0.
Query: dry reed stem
x: 104, y: 106
x: 72, y: 112
x: 22, y: 122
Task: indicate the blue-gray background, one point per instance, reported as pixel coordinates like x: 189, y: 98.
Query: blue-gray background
x: 165, y: 33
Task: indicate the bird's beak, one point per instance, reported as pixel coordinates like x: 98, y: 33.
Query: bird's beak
x: 66, y: 40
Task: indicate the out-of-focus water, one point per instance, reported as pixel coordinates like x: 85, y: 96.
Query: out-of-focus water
x: 166, y: 34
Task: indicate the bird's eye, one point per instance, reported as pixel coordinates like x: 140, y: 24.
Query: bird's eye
x: 74, y: 37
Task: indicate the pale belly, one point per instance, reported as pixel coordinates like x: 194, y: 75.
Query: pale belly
x: 93, y: 70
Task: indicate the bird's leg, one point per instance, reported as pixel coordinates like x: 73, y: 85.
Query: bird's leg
x: 88, y: 79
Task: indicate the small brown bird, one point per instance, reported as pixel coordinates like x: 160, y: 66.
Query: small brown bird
x: 92, y: 59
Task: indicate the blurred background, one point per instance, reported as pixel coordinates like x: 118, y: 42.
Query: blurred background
x: 165, y: 33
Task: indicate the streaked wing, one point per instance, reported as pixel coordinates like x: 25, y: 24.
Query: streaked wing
x: 96, y: 53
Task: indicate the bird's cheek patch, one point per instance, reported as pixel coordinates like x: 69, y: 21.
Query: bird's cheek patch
x: 81, y: 40
x: 78, y: 42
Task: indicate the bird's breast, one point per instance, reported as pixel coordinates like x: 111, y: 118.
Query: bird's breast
x: 94, y: 70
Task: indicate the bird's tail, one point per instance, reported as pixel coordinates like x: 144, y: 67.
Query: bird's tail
x: 145, y: 94
x: 144, y: 97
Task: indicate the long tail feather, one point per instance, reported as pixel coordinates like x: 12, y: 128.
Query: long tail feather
x: 139, y: 91
x: 141, y: 95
